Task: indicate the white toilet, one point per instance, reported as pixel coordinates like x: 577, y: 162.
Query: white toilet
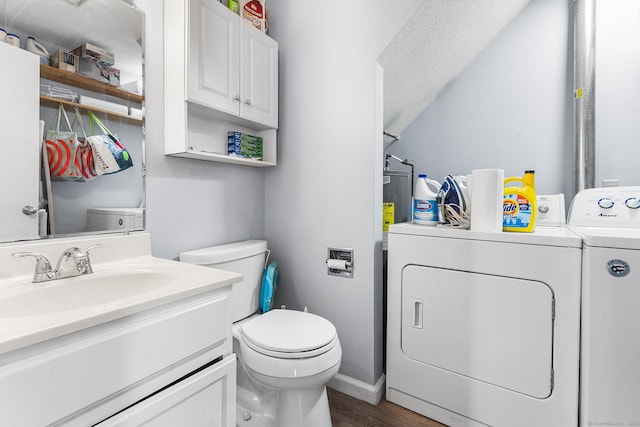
x: 285, y: 357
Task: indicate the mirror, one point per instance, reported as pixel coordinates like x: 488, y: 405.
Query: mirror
x: 107, y: 203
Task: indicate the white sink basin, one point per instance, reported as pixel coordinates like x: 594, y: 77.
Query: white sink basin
x: 35, y: 312
x: 82, y: 292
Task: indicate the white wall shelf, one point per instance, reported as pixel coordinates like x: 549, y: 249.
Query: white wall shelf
x: 215, y: 157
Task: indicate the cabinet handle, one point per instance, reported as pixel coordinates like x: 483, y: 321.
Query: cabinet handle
x: 236, y: 98
x: 29, y: 210
x: 417, y: 313
x: 247, y: 101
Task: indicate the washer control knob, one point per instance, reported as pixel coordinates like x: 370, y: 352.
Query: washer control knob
x: 632, y: 202
x: 543, y: 209
x: 605, y: 203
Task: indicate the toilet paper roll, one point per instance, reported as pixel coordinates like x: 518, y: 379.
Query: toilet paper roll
x: 337, y: 264
x: 486, y: 199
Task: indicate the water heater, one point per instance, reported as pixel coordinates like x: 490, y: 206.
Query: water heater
x: 396, y: 197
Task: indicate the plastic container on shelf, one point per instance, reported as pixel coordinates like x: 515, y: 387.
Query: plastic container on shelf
x: 13, y: 39
x: 34, y: 47
x: 425, y: 208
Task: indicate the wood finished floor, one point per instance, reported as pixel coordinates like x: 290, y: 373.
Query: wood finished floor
x: 347, y: 411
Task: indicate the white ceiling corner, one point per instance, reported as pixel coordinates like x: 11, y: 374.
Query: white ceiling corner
x: 437, y: 43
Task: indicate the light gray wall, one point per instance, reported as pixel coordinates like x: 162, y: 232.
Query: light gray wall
x: 617, y: 89
x: 322, y: 192
x: 512, y: 108
x: 191, y: 203
x: 326, y: 190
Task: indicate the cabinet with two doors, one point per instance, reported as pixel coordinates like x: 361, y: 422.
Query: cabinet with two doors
x: 221, y: 75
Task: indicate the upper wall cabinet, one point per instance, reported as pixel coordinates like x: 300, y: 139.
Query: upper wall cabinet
x: 221, y: 75
x: 232, y: 66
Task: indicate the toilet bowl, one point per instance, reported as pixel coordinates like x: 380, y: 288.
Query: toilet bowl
x: 285, y: 357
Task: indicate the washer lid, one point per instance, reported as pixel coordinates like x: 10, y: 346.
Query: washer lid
x: 289, y: 331
x: 620, y: 238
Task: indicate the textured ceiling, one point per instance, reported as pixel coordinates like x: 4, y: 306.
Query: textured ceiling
x: 110, y: 24
x: 432, y: 49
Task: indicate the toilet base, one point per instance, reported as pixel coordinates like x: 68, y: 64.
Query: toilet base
x: 304, y: 408
x: 254, y: 410
x: 294, y: 408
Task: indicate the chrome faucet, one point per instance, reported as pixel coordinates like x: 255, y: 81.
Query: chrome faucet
x: 73, y: 262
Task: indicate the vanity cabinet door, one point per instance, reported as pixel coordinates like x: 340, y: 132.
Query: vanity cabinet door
x: 204, y: 399
x: 213, y: 49
x: 19, y: 140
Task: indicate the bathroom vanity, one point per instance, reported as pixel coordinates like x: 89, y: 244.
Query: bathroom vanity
x: 139, y: 340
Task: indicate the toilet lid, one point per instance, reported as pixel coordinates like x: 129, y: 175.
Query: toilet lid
x: 289, y: 332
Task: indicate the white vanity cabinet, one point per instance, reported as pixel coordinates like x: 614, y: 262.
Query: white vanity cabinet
x: 221, y: 74
x: 201, y: 400
x: 166, y: 366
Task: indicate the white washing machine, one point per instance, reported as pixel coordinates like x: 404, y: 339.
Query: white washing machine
x: 483, y: 328
x: 608, y: 219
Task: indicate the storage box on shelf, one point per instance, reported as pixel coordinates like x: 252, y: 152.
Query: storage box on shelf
x: 231, y: 70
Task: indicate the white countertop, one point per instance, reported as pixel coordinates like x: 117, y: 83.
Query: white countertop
x: 34, y: 312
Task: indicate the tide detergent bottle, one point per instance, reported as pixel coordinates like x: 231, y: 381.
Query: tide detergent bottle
x: 519, y: 203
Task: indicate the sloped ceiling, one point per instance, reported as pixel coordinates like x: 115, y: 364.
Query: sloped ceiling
x: 432, y: 49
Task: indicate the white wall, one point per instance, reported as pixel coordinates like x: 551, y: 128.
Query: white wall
x: 326, y: 189
x: 617, y: 89
x: 512, y: 108
x: 191, y: 203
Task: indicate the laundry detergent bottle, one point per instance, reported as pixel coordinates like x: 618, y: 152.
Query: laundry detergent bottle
x: 425, y: 208
x: 519, y: 204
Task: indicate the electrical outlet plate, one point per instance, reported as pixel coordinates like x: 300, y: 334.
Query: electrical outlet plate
x: 610, y: 183
x: 551, y: 211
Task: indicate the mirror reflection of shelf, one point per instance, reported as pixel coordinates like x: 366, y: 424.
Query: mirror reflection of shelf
x: 54, y: 102
x: 83, y: 82
x: 80, y: 81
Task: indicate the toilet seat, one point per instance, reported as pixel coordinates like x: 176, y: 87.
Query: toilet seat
x: 289, y: 334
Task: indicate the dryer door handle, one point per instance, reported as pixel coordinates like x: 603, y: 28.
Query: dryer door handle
x: 417, y: 313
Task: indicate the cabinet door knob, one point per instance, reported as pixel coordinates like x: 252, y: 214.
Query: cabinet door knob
x: 247, y: 101
x: 236, y: 98
x: 29, y: 210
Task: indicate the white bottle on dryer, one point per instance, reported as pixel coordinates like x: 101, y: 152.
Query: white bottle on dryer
x: 425, y: 209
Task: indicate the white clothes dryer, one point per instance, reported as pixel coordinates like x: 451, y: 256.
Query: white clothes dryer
x: 483, y: 328
x: 608, y: 219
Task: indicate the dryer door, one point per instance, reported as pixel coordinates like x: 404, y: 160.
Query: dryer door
x: 494, y: 329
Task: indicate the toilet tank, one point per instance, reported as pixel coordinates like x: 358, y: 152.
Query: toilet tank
x: 247, y: 258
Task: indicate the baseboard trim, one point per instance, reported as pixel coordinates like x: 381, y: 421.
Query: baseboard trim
x: 359, y: 389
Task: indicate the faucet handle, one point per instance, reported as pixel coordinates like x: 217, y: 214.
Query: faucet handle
x: 85, y: 254
x: 43, y: 271
x: 97, y: 245
x: 75, y: 261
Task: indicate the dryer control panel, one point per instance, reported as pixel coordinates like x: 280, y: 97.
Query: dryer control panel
x: 617, y: 207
